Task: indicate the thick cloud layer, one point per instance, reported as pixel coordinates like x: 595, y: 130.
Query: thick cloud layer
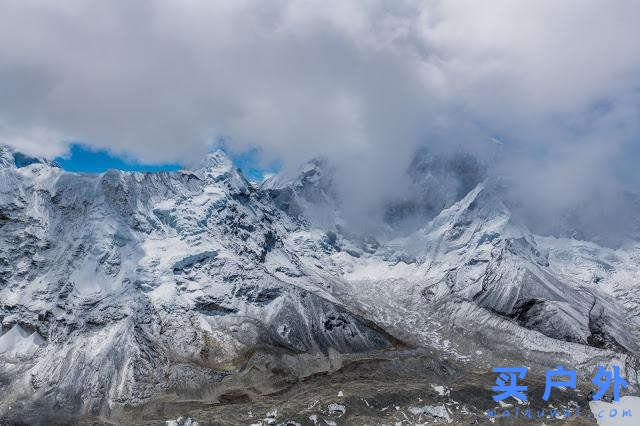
x: 362, y: 82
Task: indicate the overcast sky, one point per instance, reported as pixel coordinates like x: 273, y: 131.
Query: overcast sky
x: 363, y: 82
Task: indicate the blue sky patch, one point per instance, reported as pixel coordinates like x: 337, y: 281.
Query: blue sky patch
x: 84, y: 159
x: 87, y: 160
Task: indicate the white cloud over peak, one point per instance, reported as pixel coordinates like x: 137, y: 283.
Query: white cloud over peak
x: 364, y: 82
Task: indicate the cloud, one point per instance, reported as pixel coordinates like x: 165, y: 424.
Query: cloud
x: 362, y: 82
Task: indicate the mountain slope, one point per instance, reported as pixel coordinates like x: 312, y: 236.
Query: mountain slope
x: 142, y: 285
x: 123, y: 289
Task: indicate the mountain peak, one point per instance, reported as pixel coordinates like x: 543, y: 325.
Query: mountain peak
x: 217, y: 166
x: 214, y: 160
x: 6, y: 156
x: 311, y: 173
x: 10, y: 157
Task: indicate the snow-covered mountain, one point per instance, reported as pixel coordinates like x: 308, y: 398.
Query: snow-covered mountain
x: 124, y: 290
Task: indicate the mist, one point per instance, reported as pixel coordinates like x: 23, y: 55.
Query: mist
x: 556, y: 85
